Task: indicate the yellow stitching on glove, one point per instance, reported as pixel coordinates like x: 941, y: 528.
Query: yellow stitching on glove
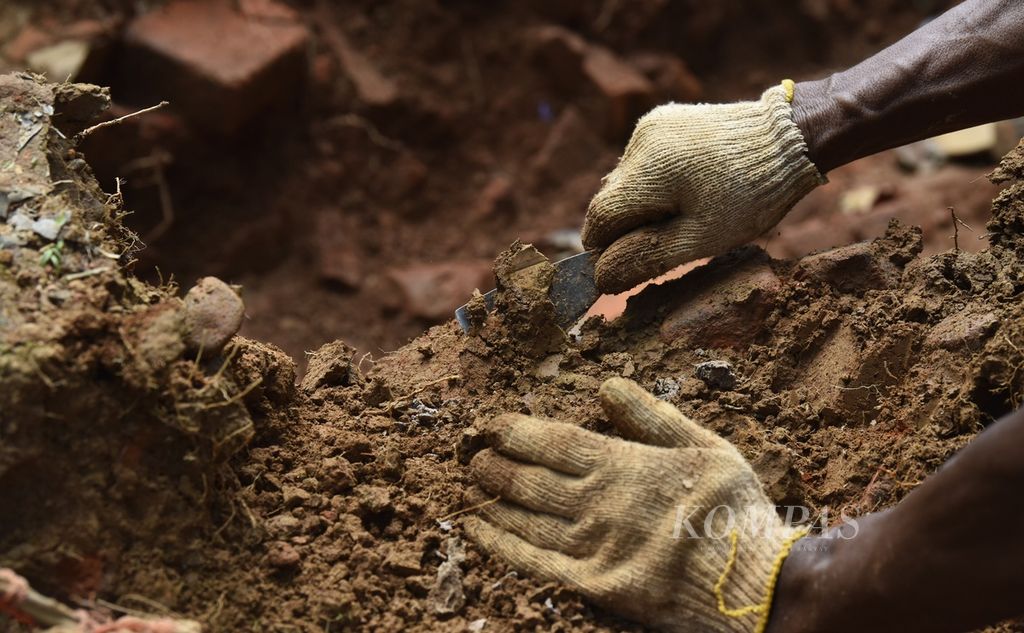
x: 789, y: 86
x: 764, y: 607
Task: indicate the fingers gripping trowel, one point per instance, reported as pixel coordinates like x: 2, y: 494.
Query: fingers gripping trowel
x: 572, y: 290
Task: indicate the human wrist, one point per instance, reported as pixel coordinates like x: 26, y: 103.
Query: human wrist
x: 818, y: 115
x: 833, y: 582
x: 795, y: 604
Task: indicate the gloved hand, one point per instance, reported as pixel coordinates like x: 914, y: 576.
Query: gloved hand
x: 672, y: 530
x: 696, y: 181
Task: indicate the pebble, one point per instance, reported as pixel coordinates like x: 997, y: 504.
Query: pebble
x: 213, y: 314
x: 717, y: 374
x: 665, y: 388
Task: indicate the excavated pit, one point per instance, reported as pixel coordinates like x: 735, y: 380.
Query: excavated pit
x: 137, y: 471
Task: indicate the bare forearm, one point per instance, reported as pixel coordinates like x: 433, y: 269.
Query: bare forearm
x: 964, y: 68
x: 947, y: 558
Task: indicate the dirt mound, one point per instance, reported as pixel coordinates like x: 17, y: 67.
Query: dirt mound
x: 155, y: 477
x: 367, y: 200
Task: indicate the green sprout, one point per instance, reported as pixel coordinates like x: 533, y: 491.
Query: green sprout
x: 50, y: 255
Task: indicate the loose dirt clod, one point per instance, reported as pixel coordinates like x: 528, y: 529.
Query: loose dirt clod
x: 137, y: 473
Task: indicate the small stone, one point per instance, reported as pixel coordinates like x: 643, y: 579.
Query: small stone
x: 665, y: 388
x: 963, y: 332
x: 421, y: 412
x: 282, y: 555
x: 48, y: 228
x: 213, y: 314
x: 717, y: 374
x: 62, y: 60
x: 548, y: 368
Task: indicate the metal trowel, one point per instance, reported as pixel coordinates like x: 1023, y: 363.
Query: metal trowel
x: 573, y: 289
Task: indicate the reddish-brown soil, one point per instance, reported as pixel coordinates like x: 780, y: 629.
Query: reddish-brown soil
x: 217, y: 488
x: 413, y: 183
x: 135, y: 473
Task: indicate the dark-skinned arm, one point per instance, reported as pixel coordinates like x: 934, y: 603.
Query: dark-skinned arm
x: 964, y: 68
x: 947, y: 558
x: 698, y: 180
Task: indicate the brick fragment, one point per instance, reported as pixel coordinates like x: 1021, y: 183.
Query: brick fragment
x: 725, y: 310
x: 434, y: 291
x: 215, y: 65
x: 627, y: 94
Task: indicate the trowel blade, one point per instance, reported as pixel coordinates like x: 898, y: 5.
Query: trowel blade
x: 573, y: 290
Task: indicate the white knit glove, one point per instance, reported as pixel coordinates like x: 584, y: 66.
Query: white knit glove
x: 696, y: 181
x: 606, y: 515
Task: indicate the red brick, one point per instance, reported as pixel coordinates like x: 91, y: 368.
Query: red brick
x: 723, y: 308
x: 433, y: 291
x: 626, y: 93
x: 215, y: 65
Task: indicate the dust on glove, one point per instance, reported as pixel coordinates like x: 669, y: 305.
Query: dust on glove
x: 670, y: 528
x: 696, y: 181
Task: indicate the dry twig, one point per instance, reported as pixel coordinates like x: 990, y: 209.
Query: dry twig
x: 89, y: 130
